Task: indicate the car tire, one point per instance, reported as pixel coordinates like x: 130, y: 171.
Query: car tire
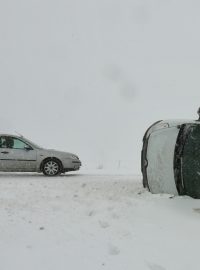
x: 51, y: 167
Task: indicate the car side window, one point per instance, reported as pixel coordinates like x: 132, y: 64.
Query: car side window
x: 3, y: 142
x: 18, y: 144
x: 11, y: 142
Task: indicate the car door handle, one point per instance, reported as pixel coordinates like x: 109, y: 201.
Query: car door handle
x: 4, y: 152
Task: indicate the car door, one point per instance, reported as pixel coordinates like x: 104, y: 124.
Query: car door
x: 16, y: 155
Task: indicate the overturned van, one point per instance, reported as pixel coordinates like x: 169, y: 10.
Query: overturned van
x: 170, y: 159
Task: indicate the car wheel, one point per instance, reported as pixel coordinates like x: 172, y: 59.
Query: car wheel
x: 51, y: 167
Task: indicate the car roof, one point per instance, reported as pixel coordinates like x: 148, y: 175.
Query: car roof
x: 11, y: 135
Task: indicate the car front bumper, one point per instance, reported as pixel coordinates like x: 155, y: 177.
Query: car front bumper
x: 72, y: 165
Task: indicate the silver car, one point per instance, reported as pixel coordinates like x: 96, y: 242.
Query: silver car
x: 18, y: 154
x: 170, y: 159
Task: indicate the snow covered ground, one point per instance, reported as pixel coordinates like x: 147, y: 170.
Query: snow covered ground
x: 94, y: 221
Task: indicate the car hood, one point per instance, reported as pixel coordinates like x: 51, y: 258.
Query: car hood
x: 56, y: 153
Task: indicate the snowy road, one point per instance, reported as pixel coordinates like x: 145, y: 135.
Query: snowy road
x: 94, y: 222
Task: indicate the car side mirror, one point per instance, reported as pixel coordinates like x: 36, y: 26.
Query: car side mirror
x: 28, y: 148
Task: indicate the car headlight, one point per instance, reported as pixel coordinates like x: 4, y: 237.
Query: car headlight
x: 74, y: 157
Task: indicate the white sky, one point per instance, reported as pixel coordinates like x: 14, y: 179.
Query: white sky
x: 90, y: 76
